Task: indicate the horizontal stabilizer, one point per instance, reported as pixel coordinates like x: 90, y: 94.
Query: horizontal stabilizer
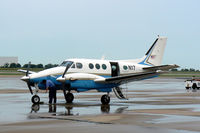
x: 162, y: 67
x: 128, y: 78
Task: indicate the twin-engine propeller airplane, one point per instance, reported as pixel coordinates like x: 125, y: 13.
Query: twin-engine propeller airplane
x: 102, y: 75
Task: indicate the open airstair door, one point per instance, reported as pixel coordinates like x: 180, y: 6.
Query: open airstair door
x: 118, y: 93
x: 115, y: 71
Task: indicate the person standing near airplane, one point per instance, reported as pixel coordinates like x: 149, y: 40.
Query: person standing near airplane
x: 52, y: 91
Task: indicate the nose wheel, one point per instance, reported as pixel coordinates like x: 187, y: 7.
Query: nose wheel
x: 105, y: 99
x: 35, y: 99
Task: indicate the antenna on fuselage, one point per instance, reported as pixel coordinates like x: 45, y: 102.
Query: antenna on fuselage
x: 103, y: 57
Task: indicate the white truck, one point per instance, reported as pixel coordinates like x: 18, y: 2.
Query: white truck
x: 192, y: 84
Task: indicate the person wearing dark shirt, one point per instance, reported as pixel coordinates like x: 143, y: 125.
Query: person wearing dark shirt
x: 52, y: 91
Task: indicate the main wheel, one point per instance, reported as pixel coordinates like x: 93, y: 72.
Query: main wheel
x: 105, y: 99
x: 35, y: 99
x: 194, y: 86
x: 69, y: 97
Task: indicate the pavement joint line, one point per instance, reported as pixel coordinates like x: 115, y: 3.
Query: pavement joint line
x: 76, y: 120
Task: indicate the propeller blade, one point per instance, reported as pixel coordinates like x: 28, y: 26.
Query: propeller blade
x: 67, y: 67
x: 27, y: 78
x: 30, y: 89
x: 27, y: 72
x: 63, y: 86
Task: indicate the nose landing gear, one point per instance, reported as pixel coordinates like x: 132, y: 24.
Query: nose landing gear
x: 35, y: 99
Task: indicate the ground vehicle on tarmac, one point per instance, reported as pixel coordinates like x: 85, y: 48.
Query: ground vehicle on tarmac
x: 192, y: 84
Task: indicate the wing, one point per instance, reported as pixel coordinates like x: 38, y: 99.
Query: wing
x: 128, y: 78
x: 150, y: 72
x: 24, y: 71
x: 162, y: 67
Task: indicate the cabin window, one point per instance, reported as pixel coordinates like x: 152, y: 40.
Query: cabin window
x: 79, y: 65
x: 91, y: 66
x: 125, y: 67
x: 73, y: 66
x: 104, y: 66
x: 97, y: 66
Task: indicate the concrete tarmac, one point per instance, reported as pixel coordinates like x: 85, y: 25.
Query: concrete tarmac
x: 155, y: 105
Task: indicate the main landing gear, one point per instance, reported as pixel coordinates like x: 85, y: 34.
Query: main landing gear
x: 105, y: 99
x: 69, y: 97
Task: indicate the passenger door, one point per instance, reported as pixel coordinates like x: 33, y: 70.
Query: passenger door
x: 115, y: 71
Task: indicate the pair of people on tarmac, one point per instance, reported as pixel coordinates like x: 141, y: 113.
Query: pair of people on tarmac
x: 50, y: 86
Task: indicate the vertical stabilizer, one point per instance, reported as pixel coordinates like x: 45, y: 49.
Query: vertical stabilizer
x: 154, y: 55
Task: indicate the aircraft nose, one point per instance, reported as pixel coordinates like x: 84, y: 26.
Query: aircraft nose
x: 25, y: 78
x: 61, y: 79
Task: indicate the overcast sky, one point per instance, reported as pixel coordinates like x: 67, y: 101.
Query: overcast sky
x: 50, y: 31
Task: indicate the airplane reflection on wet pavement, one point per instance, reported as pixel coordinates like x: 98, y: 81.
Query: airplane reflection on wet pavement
x: 52, y: 108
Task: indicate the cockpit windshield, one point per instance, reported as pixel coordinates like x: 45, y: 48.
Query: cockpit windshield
x: 66, y: 63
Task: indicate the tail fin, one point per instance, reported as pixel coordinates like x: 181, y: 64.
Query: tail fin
x: 154, y: 55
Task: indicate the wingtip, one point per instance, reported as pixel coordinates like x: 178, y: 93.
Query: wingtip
x: 177, y: 66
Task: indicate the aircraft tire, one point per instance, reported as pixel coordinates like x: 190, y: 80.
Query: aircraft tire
x: 35, y: 99
x: 105, y: 99
x: 69, y: 97
x: 194, y: 86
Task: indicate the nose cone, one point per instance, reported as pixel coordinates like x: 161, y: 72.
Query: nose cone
x: 25, y: 78
x: 61, y: 79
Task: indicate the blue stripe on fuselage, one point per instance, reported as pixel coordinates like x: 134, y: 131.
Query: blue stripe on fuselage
x: 144, y: 62
x: 80, y: 85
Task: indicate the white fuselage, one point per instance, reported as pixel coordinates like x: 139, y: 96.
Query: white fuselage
x: 104, y: 68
